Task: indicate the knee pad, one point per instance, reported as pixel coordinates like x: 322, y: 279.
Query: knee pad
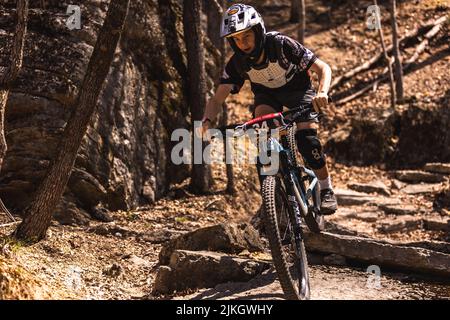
x: 310, y: 148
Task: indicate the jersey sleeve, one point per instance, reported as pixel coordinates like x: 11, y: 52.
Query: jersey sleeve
x: 231, y: 76
x: 295, y: 52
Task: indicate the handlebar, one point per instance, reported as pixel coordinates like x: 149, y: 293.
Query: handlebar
x: 298, y: 113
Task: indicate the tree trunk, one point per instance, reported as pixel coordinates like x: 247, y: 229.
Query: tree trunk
x: 11, y: 72
x: 396, y: 51
x: 388, y: 61
x: 302, y: 22
x: 201, y: 178
x: 295, y: 11
x: 231, y: 189
x: 39, y: 214
x: 214, y: 12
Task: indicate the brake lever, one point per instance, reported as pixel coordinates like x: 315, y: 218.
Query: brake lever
x: 283, y: 122
x: 239, y: 130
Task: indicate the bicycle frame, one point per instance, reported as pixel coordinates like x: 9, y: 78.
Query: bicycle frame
x: 293, y: 182
x: 293, y: 176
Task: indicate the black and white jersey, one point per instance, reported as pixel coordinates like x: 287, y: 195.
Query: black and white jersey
x: 285, y: 67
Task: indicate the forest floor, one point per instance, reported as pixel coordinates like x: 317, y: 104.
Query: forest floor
x: 119, y: 260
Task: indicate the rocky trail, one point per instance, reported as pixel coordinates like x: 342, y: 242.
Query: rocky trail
x: 123, y: 259
x: 329, y: 283
x: 400, y: 216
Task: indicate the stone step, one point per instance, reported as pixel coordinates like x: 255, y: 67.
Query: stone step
x: 347, y: 197
x: 228, y: 238
x: 417, y: 176
x: 373, y: 187
x: 382, y: 253
x: 398, y: 209
x: 436, y: 167
x: 421, y: 188
x: 404, y: 225
x: 204, y: 269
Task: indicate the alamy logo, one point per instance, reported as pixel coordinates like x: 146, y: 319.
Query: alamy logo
x: 374, y: 279
x: 373, y: 20
x: 256, y: 145
x: 73, y: 279
x: 74, y: 20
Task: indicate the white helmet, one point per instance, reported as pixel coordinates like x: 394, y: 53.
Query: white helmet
x: 238, y: 18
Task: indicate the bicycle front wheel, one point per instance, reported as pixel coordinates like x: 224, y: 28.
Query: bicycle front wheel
x: 288, y: 251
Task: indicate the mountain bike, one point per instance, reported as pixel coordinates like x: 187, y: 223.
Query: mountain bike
x: 290, y: 196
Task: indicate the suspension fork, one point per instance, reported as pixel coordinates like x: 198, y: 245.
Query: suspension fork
x: 296, y: 194
x: 294, y: 176
x: 294, y: 211
x: 296, y: 202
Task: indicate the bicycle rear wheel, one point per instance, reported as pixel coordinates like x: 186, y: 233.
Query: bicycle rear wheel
x: 288, y: 251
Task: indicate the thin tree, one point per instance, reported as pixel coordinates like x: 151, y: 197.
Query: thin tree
x: 214, y: 13
x: 9, y: 75
x: 201, y: 177
x: 302, y: 22
x: 298, y: 14
x: 396, y: 51
x: 386, y: 58
x: 39, y: 214
x: 295, y: 11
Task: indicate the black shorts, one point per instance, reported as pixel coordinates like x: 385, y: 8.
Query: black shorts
x: 290, y: 100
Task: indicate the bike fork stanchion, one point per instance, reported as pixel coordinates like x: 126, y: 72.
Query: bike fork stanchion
x: 300, y: 200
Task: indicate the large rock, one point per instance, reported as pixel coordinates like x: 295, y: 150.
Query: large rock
x: 440, y: 246
x: 443, y: 168
x: 437, y: 224
x: 399, y: 209
x: 124, y: 160
x: 406, y: 139
x: 338, y: 229
x: 67, y: 213
x: 363, y: 141
x: 397, y: 185
x: 382, y: 253
x: 405, y: 224
x: 367, y: 216
x: 227, y: 238
x: 423, y: 135
x: 349, y: 197
x: 422, y: 188
x: 203, y: 269
x: 442, y: 199
x: 373, y: 187
x: 417, y: 176
x: 87, y: 188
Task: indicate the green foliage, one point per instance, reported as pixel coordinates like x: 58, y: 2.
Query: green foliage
x: 181, y: 219
x: 12, y: 244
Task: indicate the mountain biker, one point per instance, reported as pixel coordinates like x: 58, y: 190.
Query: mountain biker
x: 278, y: 69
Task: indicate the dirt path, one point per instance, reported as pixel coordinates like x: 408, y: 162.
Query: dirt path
x: 328, y: 283
x: 119, y: 261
